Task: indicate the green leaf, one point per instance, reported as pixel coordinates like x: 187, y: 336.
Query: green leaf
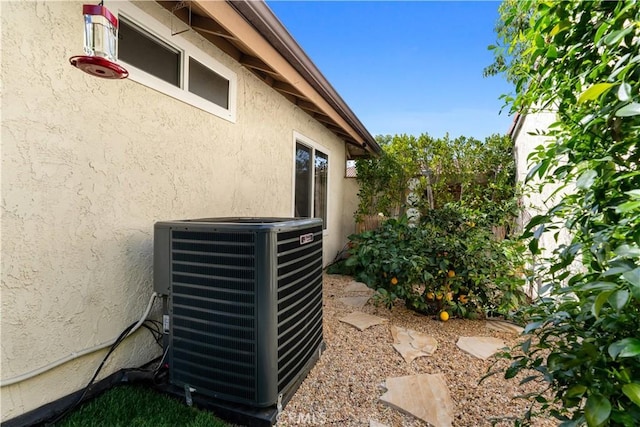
x: 531, y: 326
x: 619, y: 299
x: 552, y: 52
x: 587, y: 179
x: 632, y: 348
x: 529, y: 379
x: 632, y: 391
x: 624, y: 92
x: 537, y: 220
x: 511, y: 372
x: 626, y: 176
x: 632, y: 109
x: 617, y: 270
x: 601, y: 29
x: 632, y: 277
x: 616, y: 36
x: 597, y: 410
x: 628, y: 207
x: 594, y: 92
x: 627, y: 251
x: 627, y: 347
x: 635, y: 194
x: 599, y: 302
x: 560, y: 27
x: 618, y: 67
x: 540, y: 169
x: 575, y: 391
x: 351, y: 261
x: 598, y: 286
x: 623, y: 375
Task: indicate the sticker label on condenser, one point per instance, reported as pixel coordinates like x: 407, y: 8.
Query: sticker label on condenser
x: 165, y: 323
x: 306, y: 238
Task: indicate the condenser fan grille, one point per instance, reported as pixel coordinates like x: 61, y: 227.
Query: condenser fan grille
x: 214, y: 312
x: 299, y: 302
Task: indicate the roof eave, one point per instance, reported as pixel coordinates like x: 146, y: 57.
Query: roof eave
x: 251, y: 34
x: 266, y: 22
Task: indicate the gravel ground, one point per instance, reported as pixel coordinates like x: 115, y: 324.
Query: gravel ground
x: 344, y: 387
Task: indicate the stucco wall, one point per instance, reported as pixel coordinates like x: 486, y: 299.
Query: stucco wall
x: 537, y: 202
x: 528, y: 138
x: 88, y: 165
x: 350, y: 206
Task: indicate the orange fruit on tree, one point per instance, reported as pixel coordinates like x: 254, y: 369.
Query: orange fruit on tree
x: 430, y: 296
x: 463, y: 299
x: 449, y: 296
x: 438, y: 297
x: 394, y: 281
x: 451, y: 273
x: 444, y: 316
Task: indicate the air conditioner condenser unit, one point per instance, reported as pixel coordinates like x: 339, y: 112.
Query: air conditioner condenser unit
x: 244, y: 304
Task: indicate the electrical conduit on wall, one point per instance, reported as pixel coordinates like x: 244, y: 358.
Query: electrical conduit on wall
x: 75, y: 355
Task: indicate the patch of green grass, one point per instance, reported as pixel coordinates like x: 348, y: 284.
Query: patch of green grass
x: 131, y: 406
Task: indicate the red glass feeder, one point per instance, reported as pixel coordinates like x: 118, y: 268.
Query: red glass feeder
x: 100, y: 44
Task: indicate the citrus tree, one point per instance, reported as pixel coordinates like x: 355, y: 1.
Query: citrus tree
x: 447, y: 260
x: 426, y: 173
x: 583, y: 60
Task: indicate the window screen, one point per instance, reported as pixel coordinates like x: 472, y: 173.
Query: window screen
x: 148, y: 53
x: 208, y: 84
x: 320, y: 186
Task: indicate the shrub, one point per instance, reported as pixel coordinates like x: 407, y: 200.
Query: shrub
x: 447, y: 262
x: 581, y: 59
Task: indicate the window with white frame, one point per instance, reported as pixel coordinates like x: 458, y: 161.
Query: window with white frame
x: 172, y: 65
x: 311, y: 181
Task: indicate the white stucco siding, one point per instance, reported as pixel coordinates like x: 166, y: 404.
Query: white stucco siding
x: 529, y: 136
x: 88, y: 166
x: 350, y: 206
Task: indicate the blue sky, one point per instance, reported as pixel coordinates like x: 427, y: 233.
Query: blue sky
x: 405, y: 67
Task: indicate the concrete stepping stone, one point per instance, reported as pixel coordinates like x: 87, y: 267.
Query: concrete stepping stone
x: 423, y: 396
x: 357, y: 302
x: 412, y: 344
x: 480, y: 347
x: 362, y: 321
x: 358, y: 287
x: 373, y: 423
x: 502, y: 326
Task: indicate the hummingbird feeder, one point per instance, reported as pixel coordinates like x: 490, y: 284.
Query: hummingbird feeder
x: 100, y: 44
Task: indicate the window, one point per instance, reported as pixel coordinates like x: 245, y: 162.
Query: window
x: 208, y: 84
x: 303, y: 180
x: 148, y: 53
x: 350, y: 169
x: 172, y: 65
x: 321, y: 172
x: 311, y: 181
